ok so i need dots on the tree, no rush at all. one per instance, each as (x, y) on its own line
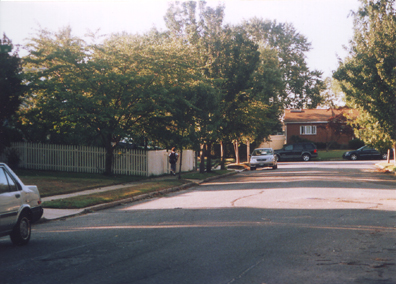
(367, 75)
(230, 59)
(302, 87)
(112, 88)
(332, 96)
(336, 127)
(11, 89)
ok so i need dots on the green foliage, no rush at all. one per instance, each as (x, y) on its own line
(11, 90)
(367, 76)
(299, 87)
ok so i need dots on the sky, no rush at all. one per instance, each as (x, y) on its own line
(325, 23)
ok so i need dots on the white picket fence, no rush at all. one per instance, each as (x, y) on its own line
(92, 159)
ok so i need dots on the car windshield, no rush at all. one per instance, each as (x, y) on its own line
(262, 152)
(365, 147)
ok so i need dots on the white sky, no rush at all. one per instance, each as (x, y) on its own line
(324, 23)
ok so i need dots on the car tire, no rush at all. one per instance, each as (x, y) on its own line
(306, 157)
(354, 157)
(275, 167)
(384, 156)
(252, 168)
(20, 235)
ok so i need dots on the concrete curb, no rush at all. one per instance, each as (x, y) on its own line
(94, 208)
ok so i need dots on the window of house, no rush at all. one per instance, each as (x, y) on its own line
(308, 130)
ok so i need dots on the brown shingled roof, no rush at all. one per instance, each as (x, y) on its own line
(314, 115)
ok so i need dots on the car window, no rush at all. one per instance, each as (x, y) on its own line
(289, 148)
(298, 147)
(308, 146)
(11, 182)
(262, 152)
(4, 187)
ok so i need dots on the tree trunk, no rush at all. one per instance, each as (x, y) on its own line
(394, 153)
(202, 164)
(248, 150)
(236, 150)
(222, 162)
(209, 158)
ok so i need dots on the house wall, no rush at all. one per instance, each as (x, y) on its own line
(322, 134)
(275, 142)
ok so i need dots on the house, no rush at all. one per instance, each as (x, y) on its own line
(312, 124)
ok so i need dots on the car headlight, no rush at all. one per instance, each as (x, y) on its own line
(253, 160)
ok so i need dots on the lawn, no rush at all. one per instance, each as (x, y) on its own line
(55, 183)
(113, 195)
(331, 155)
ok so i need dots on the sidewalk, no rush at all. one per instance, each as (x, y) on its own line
(56, 214)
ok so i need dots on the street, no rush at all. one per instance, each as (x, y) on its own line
(313, 222)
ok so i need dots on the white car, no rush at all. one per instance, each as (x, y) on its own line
(263, 157)
(20, 206)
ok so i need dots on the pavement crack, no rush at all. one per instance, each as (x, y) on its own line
(243, 197)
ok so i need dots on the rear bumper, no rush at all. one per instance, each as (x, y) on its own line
(37, 213)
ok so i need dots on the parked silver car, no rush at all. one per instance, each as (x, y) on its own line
(20, 206)
(263, 157)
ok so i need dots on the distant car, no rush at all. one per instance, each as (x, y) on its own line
(299, 151)
(20, 206)
(365, 153)
(263, 157)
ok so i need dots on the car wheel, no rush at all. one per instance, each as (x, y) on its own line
(275, 167)
(20, 235)
(306, 157)
(252, 168)
(354, 157)
(384, 156)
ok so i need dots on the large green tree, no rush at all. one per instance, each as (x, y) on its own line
(112, 87)
(368, 74)
(301, 86)
(11, 88)
(232, 61)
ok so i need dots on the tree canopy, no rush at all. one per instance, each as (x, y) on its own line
(367, 75)
(11, 88)
(199, 82)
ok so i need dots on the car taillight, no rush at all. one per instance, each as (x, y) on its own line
(315, 151)
(39, 202)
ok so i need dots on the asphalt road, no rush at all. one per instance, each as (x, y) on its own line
(315, 222)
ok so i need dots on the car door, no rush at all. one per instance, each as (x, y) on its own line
(297, 151)
(287, 152)
(368, 153)
(10, 200)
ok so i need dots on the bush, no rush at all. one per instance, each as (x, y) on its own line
(355, 143)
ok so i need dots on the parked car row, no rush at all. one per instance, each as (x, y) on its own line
(305, 151)
(20, 206)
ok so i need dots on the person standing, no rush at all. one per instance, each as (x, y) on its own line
(172, 160)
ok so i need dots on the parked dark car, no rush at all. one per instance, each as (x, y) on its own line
(299, 151)
(365, 153)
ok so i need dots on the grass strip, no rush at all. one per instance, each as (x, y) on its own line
(83, 201)
(55, 183)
